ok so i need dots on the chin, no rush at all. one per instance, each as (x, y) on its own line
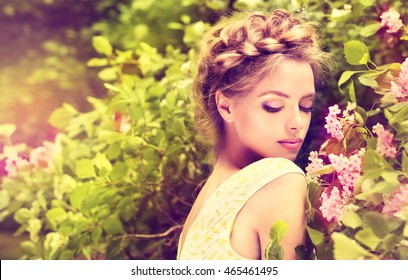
(291, 157)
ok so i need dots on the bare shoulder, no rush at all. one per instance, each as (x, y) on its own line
(282, 199)
(290, 187)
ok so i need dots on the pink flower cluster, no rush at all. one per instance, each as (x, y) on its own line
(332, 205)
(400, 88)
(14, 163)
(391, 20)
(348, 169)
(315, 163)
(333, 124)
(397, 201)
(40, 157)
(385, 145)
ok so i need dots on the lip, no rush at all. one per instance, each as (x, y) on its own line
(291, 143)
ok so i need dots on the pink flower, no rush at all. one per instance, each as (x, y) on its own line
(385, 145)
(391, 20)
(396, 201)
(347, 169)
(14, 163)
(332, 205)
(333, 124)
(42, 156)
(315, 163)
(399, 88)
(122, 123)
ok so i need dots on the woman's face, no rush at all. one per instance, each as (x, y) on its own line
(273, 118)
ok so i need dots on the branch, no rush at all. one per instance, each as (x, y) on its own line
(148, 236)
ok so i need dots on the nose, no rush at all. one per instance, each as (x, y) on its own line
(295, 121)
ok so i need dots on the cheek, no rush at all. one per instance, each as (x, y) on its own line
(306, 122)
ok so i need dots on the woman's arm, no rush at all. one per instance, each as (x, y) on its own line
(282, 199)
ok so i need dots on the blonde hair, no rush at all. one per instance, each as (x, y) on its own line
(240, 50)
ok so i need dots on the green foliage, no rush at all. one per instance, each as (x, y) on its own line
(278, 231)
(365, 226)
(118, 180)
(356, 52)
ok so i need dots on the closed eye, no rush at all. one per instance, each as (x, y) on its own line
(307, 109)
(270, 109)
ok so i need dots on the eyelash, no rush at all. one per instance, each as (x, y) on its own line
(270, 109)
(306, 109)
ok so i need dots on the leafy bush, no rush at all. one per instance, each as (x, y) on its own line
(358, 192)
(119, 179)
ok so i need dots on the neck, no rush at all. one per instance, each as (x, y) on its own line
(235, 155)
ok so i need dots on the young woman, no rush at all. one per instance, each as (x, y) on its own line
(254, 95)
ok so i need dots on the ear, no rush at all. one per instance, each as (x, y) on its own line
(224, 106)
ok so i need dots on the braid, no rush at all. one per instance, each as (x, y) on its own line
(239, 51)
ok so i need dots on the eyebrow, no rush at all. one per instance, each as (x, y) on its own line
(279, 93)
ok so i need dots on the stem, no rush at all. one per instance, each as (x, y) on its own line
(150, 236)
(373, 64)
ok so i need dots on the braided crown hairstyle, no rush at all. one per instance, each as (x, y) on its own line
(240, 50)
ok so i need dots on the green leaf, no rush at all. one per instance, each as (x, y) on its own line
(345, 76)
(97, 62)
(85, 168)
(4, 214)
(374, 164)
(87, 252)
(66, 255)
(109, 137)
(339, 13)
(112, 87)
(96, 234)
(390, 241)
(28, 248)
(245, 4)
(22, 215)
(7, 129)
(217, 5)
(376, 222)
(119, 171)
(362, 112)
(55, 217)
(175, 26)
(367, 3)
(132, 144)
(278, 230)
(62, 116)
(351, 219)
(404, 162)
(348, 249)
(273, 250)
(103, 164)
(397, 107)
(384, 187)
(391, 177)
(315, 236)
(356, 52)
(179, 127)
(4, 199)
(370, 29)
(112, 225)
(79, 195)
(351, 93)
(367, 237)
(108, 74)
(102, 45)
(368, 80)
(405, 231)
(401, 115)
